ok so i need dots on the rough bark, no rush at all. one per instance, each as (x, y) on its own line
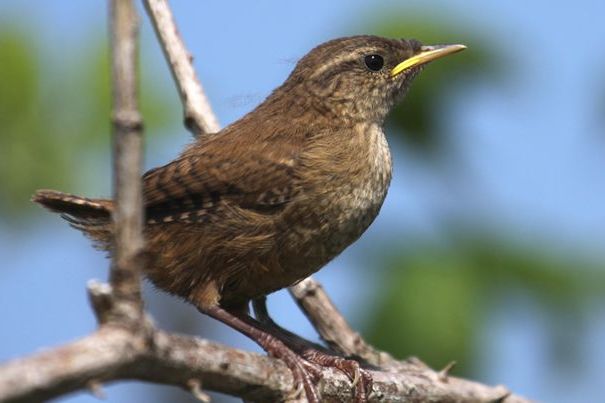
(115, 353)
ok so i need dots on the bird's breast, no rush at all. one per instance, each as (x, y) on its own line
(360, 197)
(344, 199)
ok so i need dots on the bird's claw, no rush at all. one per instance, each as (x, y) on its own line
(361, 380)
(303, 371)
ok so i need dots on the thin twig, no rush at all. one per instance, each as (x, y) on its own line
(199, 118)
(332, 326)
(127, 143)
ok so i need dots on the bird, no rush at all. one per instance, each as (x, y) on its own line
(276, 195)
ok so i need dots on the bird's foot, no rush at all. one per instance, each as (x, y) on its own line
(305, 372)
(316, 354)
(360, 378)
(307, 364)
(305, 360)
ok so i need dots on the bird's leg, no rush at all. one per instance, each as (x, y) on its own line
(259, 306)
(302, 370)
(313, 352)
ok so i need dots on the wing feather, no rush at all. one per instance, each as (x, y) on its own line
(258, 176)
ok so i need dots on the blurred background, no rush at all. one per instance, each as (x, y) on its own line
(489, 250)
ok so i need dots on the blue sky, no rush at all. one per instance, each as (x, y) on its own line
(533, 144)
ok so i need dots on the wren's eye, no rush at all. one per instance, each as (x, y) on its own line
(374, 62)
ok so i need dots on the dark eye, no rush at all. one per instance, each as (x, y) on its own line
(374, 62)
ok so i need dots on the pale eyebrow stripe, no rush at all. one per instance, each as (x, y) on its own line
(344, 57)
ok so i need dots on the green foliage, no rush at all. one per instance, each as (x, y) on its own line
(425, 310)
(435, 298)
(24, 143)
(54, 116)
(421, 119)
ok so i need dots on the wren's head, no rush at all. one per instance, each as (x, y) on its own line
(358, 78)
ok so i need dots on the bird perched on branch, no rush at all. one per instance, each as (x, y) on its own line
(276, 195)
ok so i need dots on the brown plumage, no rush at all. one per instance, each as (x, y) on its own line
(276, 195)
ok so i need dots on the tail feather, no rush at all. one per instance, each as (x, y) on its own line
(91, 216)
(75, 206)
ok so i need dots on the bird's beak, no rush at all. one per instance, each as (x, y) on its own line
(426, 54)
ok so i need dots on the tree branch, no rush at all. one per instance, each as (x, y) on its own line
(332, 326)
(115, 353)
(127, 143)
(199, 118)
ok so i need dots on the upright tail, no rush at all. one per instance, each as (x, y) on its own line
(91, 216)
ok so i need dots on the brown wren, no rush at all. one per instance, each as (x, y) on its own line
(273, 197)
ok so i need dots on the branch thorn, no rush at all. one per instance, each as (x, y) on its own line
(195, 387)
(505, 393)
(444, 374)
(96, 388)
